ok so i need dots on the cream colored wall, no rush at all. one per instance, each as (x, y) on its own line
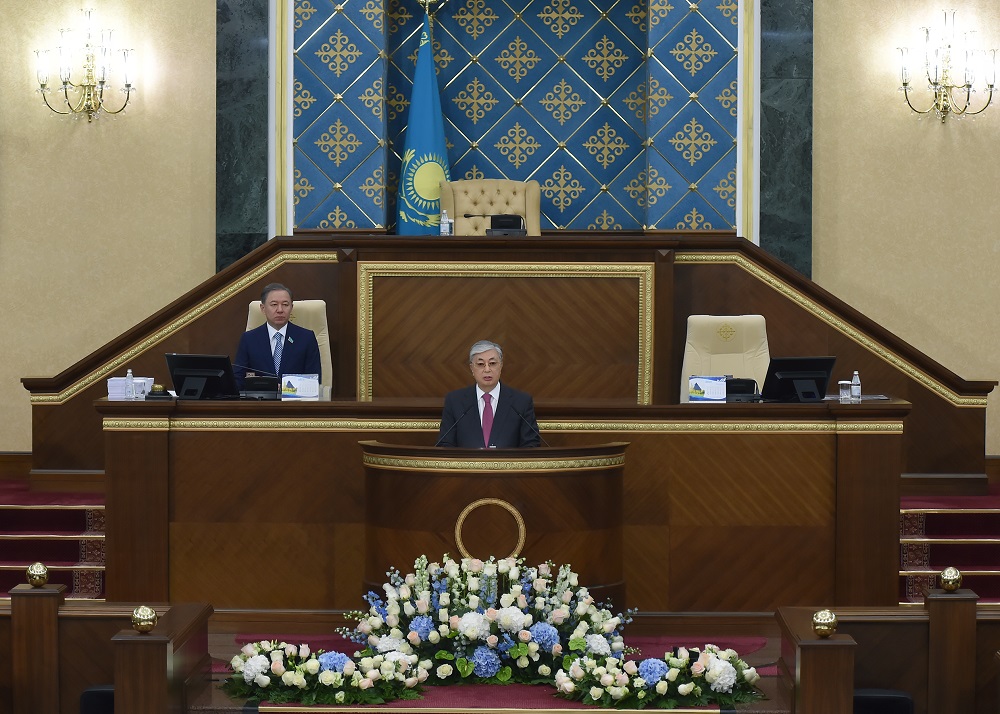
(906, 212)
(101, 224)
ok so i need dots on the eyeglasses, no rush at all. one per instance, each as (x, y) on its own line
(492, 364)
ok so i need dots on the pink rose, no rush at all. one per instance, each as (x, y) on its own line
(607, 679)
(540, 585)
(453, 622)
(621, 679)
(348, 668)
(544, 569)
(422, 606)
(410, 682)
(413, 638)
(631, 667)
(492, 641)
(567, 596)
(522, 601)
(365, 683)
(697, 669)
(475, 565)
(277, 667)
(364, 627)
(557, 649)
(249, 649)
(558, 616)
(524, 636)
(392, 620)
(491, 614)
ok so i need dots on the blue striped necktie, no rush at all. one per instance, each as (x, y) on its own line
(277, 352)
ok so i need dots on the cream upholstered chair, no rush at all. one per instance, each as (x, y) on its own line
(310, 314)
(489, 197)
(725, 344)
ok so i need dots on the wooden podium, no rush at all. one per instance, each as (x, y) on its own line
(558, 504)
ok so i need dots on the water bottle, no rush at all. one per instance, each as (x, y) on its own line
(129, 386)
(445, 223)
(856, 388)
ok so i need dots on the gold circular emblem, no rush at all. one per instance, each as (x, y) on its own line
(489, 502)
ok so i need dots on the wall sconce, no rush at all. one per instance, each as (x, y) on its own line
(955, 68)
(93, 62)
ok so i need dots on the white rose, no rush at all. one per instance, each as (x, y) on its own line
(574, 580)
(672, 674)
(444, 600)
(544, 670)
(326, 677)
(262, 680)
(489, 568)
(288, 678)
(685, 688)
(661, 687)
(506, 600)
(473, 583)
(444, 629)
(304, 651)
(375, 621)
(236, 663)
(408, 609)
(312, 666)
(340, 697)
(515, 573)
(750, 675)
(443, 614)
(618, 692)
(392, 608)
(404, 592)
(503, 566)
(299, 680)
(444, 671)
(433, 637)
(596, 693)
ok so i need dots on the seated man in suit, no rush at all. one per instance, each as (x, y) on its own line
(277, 347)
(506, 417)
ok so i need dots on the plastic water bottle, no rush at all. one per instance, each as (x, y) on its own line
(856, 388)
(129, 386)
(445, 223)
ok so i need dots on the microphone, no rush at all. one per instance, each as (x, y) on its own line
(531, 426)
(502, 221)
(452, 427)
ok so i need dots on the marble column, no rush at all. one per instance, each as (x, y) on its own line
(786, 99)
(241, 128)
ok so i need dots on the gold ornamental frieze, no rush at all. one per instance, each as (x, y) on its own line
(525, 465)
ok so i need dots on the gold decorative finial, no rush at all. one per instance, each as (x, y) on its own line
(37, 575)
(143, 619)
(824, 623)
(951, 579)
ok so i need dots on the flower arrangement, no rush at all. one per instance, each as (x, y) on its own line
(493, 621)
(488, 621)
(684, 677)
(280, 672)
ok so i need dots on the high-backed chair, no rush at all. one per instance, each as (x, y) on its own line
(310, 314)
(725, 344)
(490, 197)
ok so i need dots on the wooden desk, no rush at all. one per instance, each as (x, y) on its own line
(738, 507)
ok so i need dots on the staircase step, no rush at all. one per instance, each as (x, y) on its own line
(74, 518)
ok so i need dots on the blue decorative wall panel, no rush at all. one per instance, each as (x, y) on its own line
(624, 112)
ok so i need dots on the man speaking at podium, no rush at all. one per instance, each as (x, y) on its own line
(506, 417)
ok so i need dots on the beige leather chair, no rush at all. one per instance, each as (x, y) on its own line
(488, 197)
(310, 314)
(725, 344)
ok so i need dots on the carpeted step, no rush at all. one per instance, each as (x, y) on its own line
(82, 580)
(951, 524)
(962, 553)
(52, 547)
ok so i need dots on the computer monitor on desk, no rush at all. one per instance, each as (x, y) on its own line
(202, 376)
(797, 379)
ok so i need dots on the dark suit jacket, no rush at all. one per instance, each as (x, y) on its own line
(299, 353)
(509, 429)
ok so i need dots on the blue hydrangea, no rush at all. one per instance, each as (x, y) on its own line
(333, 660)
(486, 662)
(652, 671)
(545, 635)
(506, 643)
(375, 601)
(422, 625)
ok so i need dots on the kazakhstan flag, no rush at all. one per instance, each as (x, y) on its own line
(425, 156)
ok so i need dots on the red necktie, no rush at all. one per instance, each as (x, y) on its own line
(487, 420)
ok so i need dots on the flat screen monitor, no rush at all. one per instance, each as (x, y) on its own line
(202, 376)
(797, 379)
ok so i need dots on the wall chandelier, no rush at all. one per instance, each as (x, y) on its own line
(86, 66)
(956, 70)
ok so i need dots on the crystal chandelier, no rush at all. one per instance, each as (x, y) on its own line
(92, 62)
(955, 68)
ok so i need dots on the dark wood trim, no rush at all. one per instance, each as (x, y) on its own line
(943, 484)
(78, 481)
(15, 465)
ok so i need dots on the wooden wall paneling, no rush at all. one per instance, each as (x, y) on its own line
(988, 660)
(951, 681)
(882, 638)
(6, 682)
(86, 628)
(666, 360)
(868, 468)
(34, 663)
(137, 505)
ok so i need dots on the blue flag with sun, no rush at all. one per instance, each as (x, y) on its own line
(425, 155)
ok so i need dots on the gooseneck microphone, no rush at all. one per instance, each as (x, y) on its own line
(452, 427)
(532, 427)
(256, 371)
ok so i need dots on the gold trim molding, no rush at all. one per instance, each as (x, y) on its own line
(534, 465)
(638, 427)
(119, 361)
(643, 272)
(460, 521)
(835, 322)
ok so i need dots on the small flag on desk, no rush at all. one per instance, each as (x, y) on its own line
(425, 155)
